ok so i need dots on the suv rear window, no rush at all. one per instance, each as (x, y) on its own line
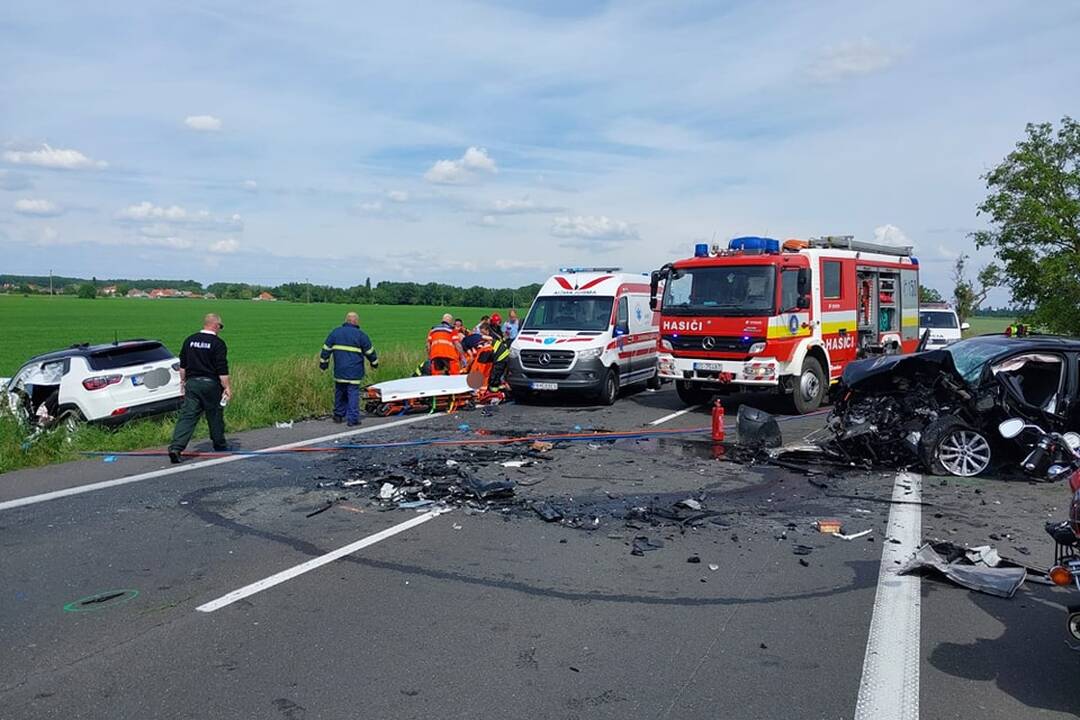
(126, 355)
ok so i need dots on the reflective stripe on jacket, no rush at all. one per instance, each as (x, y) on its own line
(349, 345)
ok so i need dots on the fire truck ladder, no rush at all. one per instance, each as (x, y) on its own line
(848, 242)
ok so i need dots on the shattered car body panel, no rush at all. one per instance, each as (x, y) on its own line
(939, 408)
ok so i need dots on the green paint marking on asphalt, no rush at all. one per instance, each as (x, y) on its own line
(101, 600)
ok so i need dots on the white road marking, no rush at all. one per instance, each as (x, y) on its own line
(673, 415)
(285, 575)
(188, 466)
(889, 689)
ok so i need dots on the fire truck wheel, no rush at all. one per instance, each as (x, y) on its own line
(809, 388)
(692, 394)
(609, 387)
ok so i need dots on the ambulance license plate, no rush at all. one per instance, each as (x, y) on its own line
(543, 386)
(709, 366)
(136, 380)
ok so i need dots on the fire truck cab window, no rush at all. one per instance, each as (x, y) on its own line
(730, 290)
(789, 290)
(830, 278)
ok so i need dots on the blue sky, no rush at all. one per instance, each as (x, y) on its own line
(490, 142)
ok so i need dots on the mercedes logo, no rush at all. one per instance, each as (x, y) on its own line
(545, 359)
(708, 343)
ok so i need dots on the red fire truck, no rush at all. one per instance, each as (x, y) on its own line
(785, 317)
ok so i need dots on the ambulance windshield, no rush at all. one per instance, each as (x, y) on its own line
(728, 290)
(569, 313)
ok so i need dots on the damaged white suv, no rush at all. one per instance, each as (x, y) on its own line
(109, 384)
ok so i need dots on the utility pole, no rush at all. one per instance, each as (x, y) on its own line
(50, 282)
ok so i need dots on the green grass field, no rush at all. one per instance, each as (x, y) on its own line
(254, 331)
(272, 353)
(984, 325)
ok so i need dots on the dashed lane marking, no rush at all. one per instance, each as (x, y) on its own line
(285, 575)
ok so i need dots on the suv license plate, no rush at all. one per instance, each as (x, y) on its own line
(544, 386)
(709, 366)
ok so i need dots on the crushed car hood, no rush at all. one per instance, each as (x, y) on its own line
(865, 374)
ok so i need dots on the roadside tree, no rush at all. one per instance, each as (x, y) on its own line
(1034, 211)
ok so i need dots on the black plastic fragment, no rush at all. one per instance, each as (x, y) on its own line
(546, 511)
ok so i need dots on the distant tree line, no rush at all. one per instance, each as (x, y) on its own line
(384, 293)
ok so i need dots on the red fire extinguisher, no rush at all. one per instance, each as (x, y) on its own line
(718, 421)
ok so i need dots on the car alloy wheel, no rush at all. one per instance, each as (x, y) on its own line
(964, 452)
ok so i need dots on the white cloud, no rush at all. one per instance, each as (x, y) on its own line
(859, 57)
(169, 243)
(524, 206)
(49, 236)
(250, 185)
(37, 207)
(486, 221)
(507, 264)
(226, 246)
(591, 230)
(372, 206)
(398, 196)
(203, 123)
(465, 169)
(157, 230)
(50, 157)
(891, 235)
(13, 181)
(176, 215)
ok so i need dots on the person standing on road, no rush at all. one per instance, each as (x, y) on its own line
(511, 326)
(204, 383)
(348, 345)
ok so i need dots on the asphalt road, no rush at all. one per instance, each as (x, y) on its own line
(498, 614)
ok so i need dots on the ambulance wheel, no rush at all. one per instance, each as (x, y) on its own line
(609, 387)
(809, 388)
(692, 394)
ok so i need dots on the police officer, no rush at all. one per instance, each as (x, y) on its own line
(348, 345)
(204, 383)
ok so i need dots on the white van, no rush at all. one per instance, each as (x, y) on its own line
(944, 326)
(589, 329)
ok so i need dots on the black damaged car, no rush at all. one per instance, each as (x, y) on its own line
(940, 409)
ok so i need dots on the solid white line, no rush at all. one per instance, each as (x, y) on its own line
(186, 467)
(889, 689)
(310, 565)
(674, 415)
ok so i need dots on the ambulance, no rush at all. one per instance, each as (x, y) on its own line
(786, 317)
(589, 330)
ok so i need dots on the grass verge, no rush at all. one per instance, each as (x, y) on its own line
(265, 393)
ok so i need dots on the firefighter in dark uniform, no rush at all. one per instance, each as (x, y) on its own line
(204, 382)
(349, 346)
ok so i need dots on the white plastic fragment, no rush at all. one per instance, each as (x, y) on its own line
(386, 491)
(853, 536)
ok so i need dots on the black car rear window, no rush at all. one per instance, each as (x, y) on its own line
(127, 355)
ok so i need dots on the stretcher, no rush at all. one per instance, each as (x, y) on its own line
(431, 393)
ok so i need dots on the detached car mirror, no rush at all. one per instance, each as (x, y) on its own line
(1012, 427)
